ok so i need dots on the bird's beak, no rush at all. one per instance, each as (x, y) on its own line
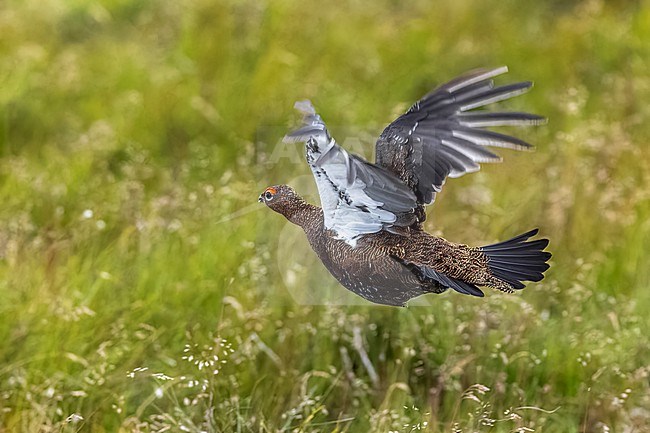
(261, 199)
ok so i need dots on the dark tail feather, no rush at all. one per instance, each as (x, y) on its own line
(517, 260)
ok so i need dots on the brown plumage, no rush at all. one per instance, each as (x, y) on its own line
(368, 233)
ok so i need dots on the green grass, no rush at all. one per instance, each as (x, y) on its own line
(131, 300)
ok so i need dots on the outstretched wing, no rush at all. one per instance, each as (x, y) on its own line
(441, 136)
(357, 197)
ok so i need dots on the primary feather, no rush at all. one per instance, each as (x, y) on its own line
(439, 137)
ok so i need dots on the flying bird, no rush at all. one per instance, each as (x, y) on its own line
(368, 231)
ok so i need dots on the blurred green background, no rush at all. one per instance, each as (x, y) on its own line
(143, 289)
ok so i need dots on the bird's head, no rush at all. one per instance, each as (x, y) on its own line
(281, 198)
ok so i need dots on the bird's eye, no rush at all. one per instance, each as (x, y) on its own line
(268, 195)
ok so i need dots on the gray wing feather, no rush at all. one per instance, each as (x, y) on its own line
(357, 197)
(439, 137)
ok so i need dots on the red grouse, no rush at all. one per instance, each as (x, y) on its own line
(368, 230)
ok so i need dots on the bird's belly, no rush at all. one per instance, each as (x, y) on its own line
(375, 277)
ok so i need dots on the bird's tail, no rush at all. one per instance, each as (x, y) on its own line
(517, 259)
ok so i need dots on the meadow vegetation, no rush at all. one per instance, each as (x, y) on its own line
(144, 289)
